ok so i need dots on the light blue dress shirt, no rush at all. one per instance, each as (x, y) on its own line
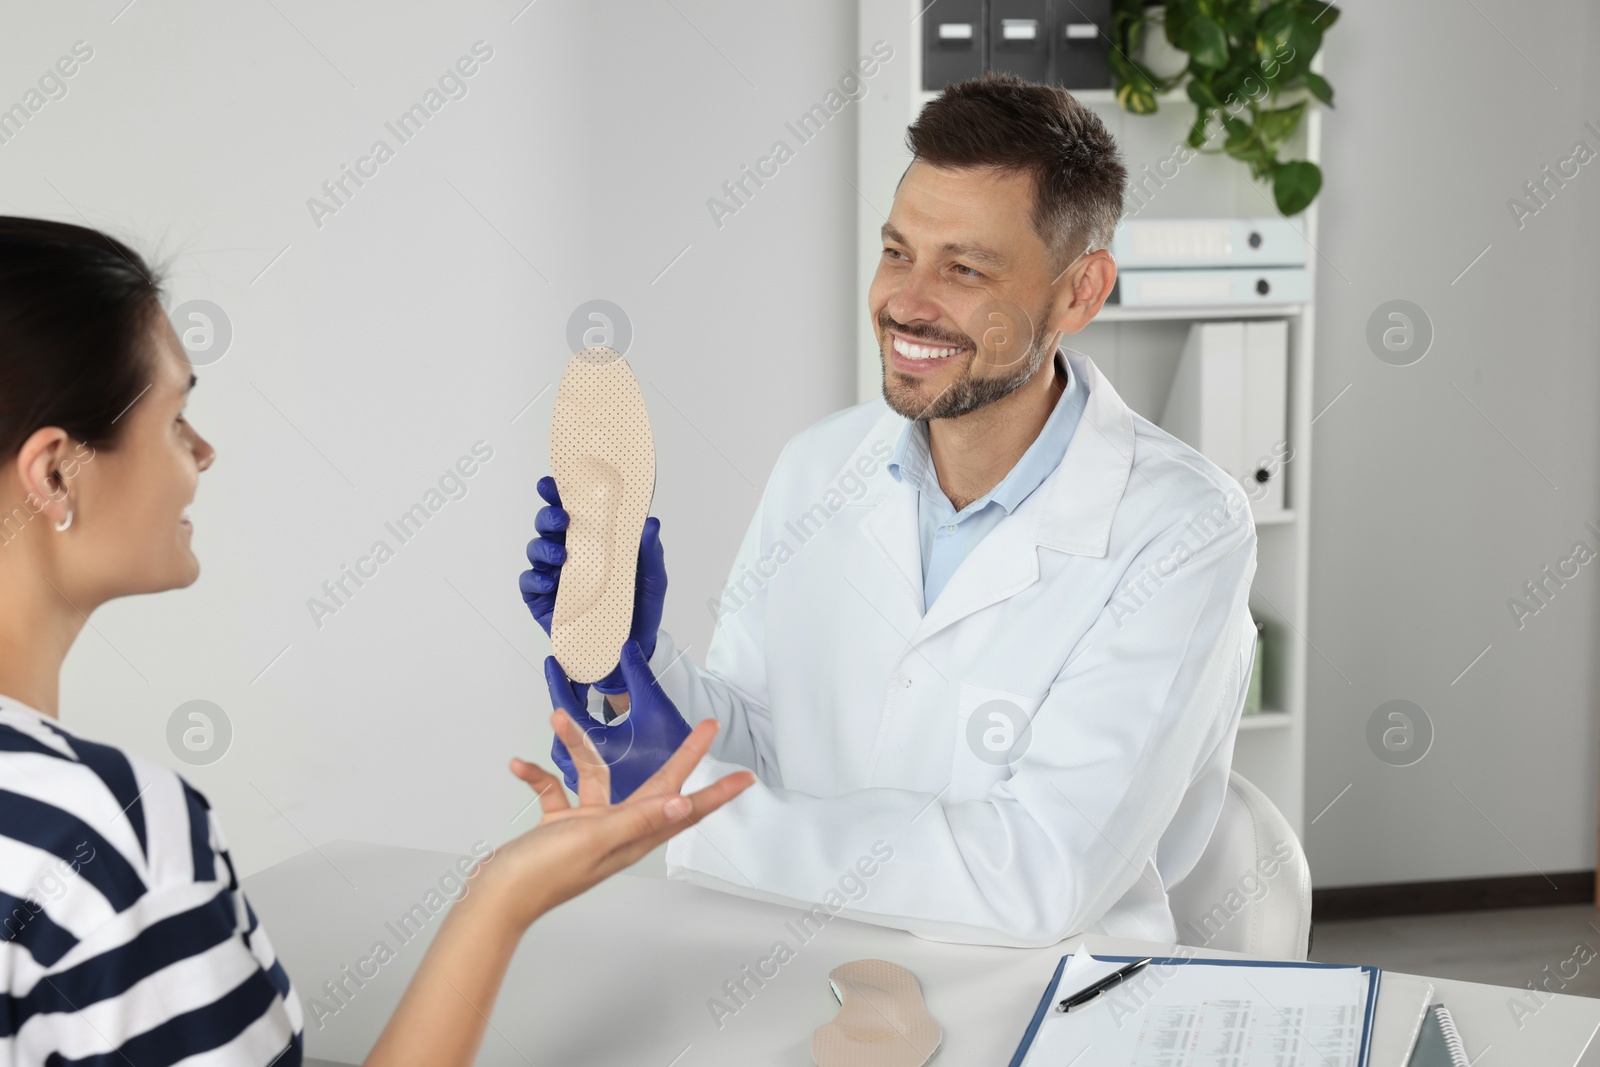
(947, 535)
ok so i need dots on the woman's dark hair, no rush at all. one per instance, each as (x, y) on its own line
(75, 305)
(999, 120)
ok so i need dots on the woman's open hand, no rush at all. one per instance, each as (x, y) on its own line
(441, 1018)
(574, 848)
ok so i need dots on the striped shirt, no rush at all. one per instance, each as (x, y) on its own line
(124, 936)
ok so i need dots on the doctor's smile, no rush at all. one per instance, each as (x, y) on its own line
(1006, 716)
(924, 352)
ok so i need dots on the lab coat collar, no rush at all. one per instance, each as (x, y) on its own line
(1071, 512)
(1084, 492)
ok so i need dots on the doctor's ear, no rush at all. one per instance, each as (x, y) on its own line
(1083, 289)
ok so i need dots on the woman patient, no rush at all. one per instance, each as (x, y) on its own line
(151, 955)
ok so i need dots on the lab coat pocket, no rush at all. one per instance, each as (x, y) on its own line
(993, 730)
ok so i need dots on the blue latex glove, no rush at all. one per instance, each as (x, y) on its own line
(635, 748)
(548, 552)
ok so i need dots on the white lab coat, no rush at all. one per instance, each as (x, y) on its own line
(1110, 607)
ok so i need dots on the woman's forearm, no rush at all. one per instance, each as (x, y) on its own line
(441, 1018)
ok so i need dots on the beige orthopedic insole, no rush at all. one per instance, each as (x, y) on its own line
(882, 1021)
(603, 457)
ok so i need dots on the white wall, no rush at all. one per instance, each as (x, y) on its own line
(1441, 487)
(419, 319)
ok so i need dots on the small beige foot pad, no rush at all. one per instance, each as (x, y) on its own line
(882, 1021)
(603, 457)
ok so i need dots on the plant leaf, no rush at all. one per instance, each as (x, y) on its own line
(1137, 99)
(1240, 22)
(1177, 17)
(1319, 87)
(1242, 143)
(1319, 14)
(1279, 124)
(1252, 152)
(1286, 40)
(1275, 29)
(1295, 185)
(1205, 42)
(1202, 94)
(1305, 38)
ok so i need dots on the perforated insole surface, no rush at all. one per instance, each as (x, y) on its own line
(603, 457)
(882, 1021)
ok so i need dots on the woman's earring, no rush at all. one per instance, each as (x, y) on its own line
(63, 524)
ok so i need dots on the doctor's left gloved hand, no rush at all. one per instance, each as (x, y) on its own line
(548, 552)
(634, 748)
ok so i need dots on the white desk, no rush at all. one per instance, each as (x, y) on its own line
(623, 974)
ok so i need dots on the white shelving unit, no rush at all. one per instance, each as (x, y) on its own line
(1138, 348)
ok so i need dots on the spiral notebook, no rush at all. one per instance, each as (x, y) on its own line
(1205, 1013)
(1438, 1044)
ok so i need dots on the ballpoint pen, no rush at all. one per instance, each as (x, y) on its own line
(1083, 996)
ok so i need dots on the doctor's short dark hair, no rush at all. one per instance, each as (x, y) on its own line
(1000, 120)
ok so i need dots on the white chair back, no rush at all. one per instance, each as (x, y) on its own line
(1250, 891)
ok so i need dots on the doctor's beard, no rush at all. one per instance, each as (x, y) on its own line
(967, 392)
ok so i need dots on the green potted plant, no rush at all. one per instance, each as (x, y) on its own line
(1249, 67)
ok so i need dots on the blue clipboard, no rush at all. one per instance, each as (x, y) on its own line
(1373, 975)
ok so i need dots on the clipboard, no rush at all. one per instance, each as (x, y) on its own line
(1351, 1018)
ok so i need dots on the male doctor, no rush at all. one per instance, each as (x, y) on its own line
(986, 637)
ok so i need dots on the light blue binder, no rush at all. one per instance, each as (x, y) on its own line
(1209, 242)
(1373, 975)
